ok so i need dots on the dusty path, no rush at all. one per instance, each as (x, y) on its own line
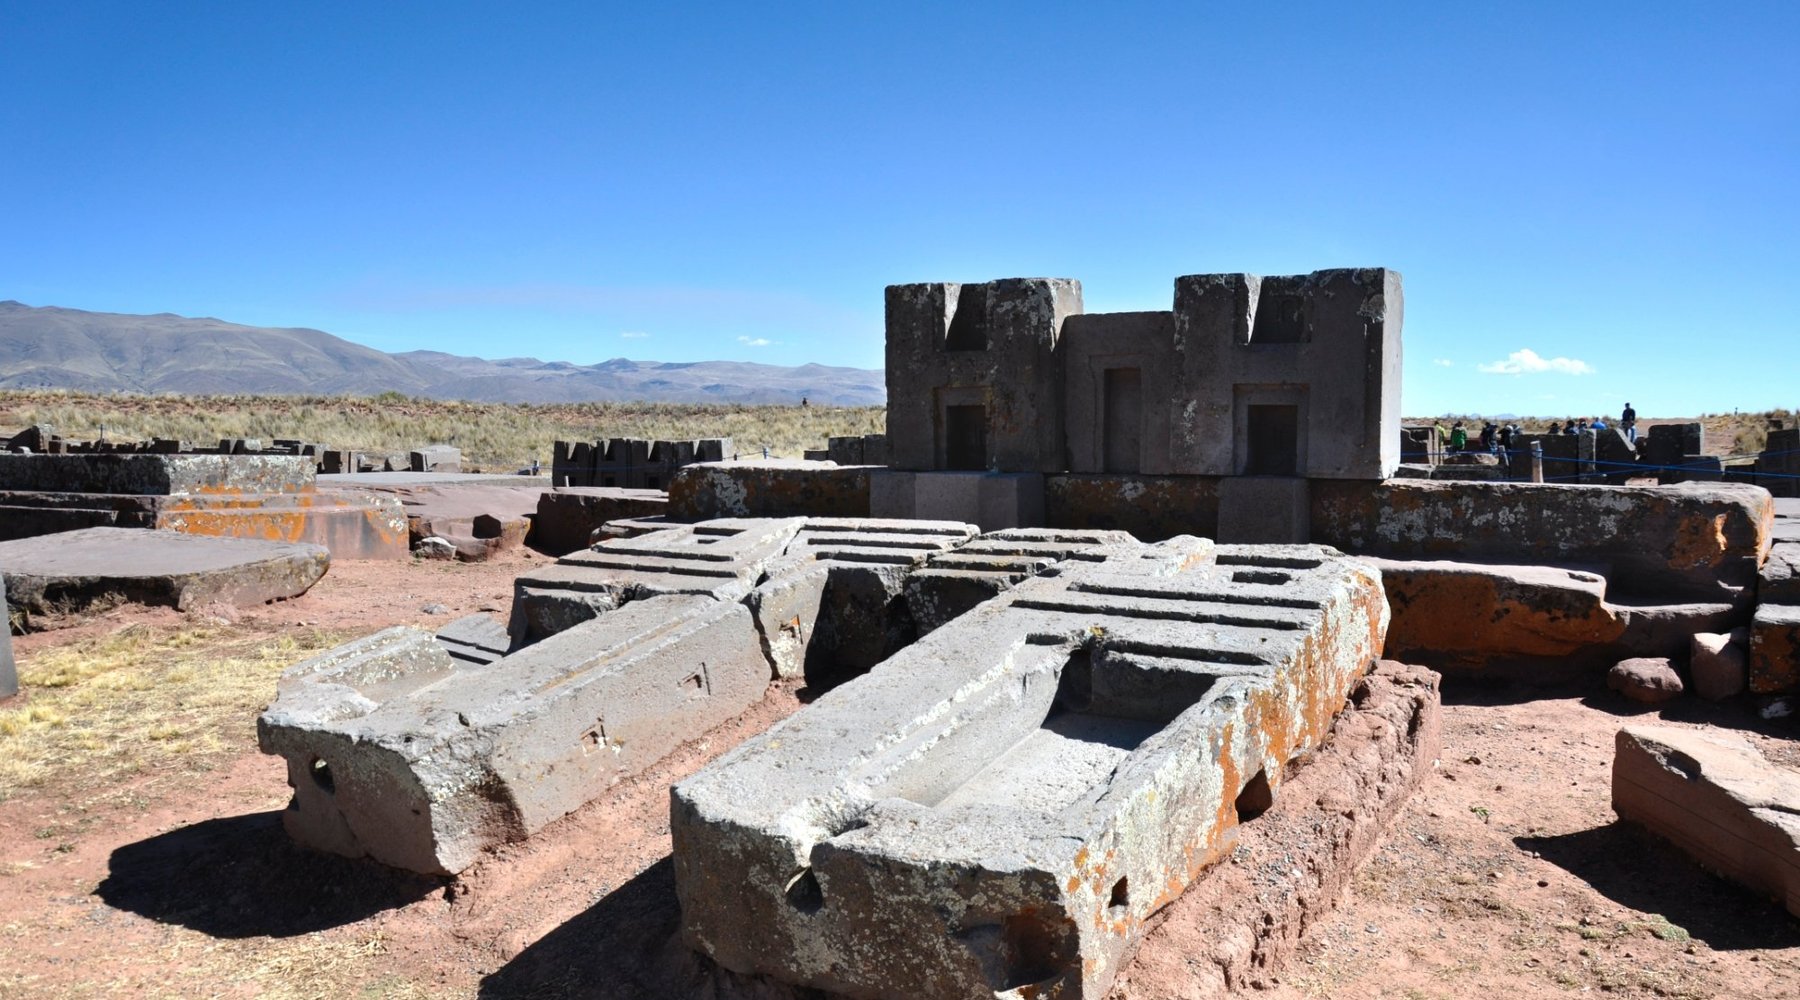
(1507, 873)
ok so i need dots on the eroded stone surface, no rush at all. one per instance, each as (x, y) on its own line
(954, 582)
(421, 751)
(1235, 929)
(769, 488)
(1002, 804)
(1718, 800)
(1531, 622)
(73, 569)
(399, 751)
(1774, 649)
(1699, 542)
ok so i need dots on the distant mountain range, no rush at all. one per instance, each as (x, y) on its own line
(49, 347)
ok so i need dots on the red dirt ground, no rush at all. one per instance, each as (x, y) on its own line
(1507, 873)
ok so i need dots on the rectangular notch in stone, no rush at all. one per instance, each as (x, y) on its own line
(969, 322)
(1280, 318)
(1123, 420)
(1273, 440)
(965, 437)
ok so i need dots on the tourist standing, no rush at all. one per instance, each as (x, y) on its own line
(1628, 423)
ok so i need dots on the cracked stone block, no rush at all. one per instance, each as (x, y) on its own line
(723, 559)
(1715, 797)
(399, 751)
(1004, 804)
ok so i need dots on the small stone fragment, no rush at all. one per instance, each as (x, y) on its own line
(1649, 680)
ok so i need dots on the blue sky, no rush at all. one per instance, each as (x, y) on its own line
(1596, 202)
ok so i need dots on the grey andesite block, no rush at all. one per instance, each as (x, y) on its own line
(999, 808)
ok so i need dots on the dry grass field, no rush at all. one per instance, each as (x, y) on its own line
(497, 437)
(494, 437)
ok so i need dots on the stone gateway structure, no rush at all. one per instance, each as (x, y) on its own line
(1285, 378)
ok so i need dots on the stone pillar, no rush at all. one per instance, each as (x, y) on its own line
(1584, 445)
(1537, 461)
(9, 675)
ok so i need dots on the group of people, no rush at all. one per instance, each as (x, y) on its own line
(1497, 438)
(1494, 438)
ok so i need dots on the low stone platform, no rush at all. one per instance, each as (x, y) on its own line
(999, 808)
(769, 488)
(1717, 799)
(69, 571)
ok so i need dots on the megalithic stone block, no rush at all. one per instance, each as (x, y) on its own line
(722, 558)
(999, 808)
(9, 673)
(1717, 799)
(398, 751)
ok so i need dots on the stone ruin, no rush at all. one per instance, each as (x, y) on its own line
(41, 439)
(1044, 702)
(631, 463)
(1243, 380)
(1001, 806)
(268, 497)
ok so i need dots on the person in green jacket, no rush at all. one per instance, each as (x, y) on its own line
(1459, 438)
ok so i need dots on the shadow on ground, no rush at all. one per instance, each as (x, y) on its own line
(624, 947)
(1627, 865)
(241, 876)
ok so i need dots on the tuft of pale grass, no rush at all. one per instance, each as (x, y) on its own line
(141, 699)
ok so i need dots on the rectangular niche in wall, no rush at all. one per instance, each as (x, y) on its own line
(1272, 439)
(1122, 420)
(1280, 318)
(965, 437)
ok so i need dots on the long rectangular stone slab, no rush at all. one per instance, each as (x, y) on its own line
(1001, 806)
(161, 475)
(1718, 800)
(73, 569)
(398, 751)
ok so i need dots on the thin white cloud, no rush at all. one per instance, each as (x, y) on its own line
(1526, 361)
(1443, 362)
(754, 341)
(634, 335)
